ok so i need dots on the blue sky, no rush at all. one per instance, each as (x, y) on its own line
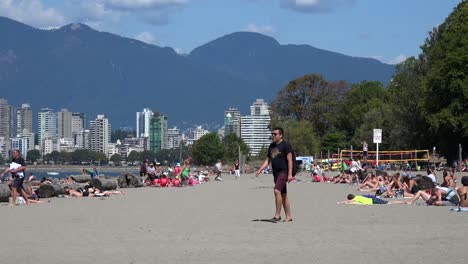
(389, 30)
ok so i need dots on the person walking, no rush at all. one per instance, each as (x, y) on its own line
(280, 157)
(237, 169)
(16, 169)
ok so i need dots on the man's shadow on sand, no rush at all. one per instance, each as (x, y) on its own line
(265, 220)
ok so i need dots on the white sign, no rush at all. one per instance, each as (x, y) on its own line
(377, 135)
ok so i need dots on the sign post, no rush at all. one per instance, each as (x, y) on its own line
(377, 140)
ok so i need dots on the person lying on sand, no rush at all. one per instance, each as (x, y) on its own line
(89, 191)
(439, 196)
(367, 199)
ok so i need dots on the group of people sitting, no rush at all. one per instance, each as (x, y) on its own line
(405, 185)
(153, 174)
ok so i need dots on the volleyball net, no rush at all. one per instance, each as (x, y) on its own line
(391, 156)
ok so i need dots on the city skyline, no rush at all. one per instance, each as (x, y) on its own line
(65, 130)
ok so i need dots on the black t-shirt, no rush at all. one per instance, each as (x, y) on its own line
(15, 164)
(277, 153)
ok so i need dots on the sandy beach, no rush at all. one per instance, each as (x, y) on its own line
(212, 223)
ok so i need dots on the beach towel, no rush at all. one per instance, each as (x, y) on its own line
(461, 209)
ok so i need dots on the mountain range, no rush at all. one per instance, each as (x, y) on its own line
(85, 70)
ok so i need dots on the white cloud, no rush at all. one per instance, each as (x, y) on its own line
(266, 30)
(179, 51)
(31, 12)
(377, 57)
(146, 37)
(143, 4)
(398, 59)
(315, 6)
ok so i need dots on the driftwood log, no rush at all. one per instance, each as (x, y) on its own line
(103, 184)
(129, 181)
(81, 178)
(4, 192)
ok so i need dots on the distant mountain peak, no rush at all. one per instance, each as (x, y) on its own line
(76, 27)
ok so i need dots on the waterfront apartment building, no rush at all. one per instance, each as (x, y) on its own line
(255, 128)
(64, 124)
(24, 119)
(173, 138)
(158, 132)
(195, 135)
(5, 119)
(99, 134)
(232, 122)
(24, 142)
(81, 139)
(78, 122)
(143, 120)
(47, 124)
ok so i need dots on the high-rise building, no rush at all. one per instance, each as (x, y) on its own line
(195, 135)
(78, 122)
(173, 138)
(232, 122)
(259, 107)
(143, 120)
(99, 134)
(5, 119)
(24, 142)
(81, 139)
(47, 124)
(255, 128)
(64, 124)
(4, 147)
(158, 132)
(24, 119)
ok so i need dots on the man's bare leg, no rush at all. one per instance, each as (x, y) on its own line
(423, 195)
(286, 206)
(278, 203)
(13, 196)
(25, 196)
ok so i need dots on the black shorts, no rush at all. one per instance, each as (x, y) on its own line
(281, 181)
(18, 183)
(364, 153)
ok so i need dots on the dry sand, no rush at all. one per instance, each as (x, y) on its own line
(212, 223)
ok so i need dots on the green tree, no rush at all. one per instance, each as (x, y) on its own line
(33, 155)
(231, 144)
(134, 156)
(445, 82)
(311, 98)
(115, 159)
(334, 140)
(301, 135)
(65, 157)
(147, 154)
(360, 100)
(409, 127)
(208, 149)
(81, 155)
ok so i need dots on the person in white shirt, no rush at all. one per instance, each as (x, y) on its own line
(431, 175)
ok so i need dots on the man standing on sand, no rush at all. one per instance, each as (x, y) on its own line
(237, 169)
(280, 156)
(16, 168)
(364, 150)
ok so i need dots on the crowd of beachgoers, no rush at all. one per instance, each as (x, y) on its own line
(405, 187)
(25, 190)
